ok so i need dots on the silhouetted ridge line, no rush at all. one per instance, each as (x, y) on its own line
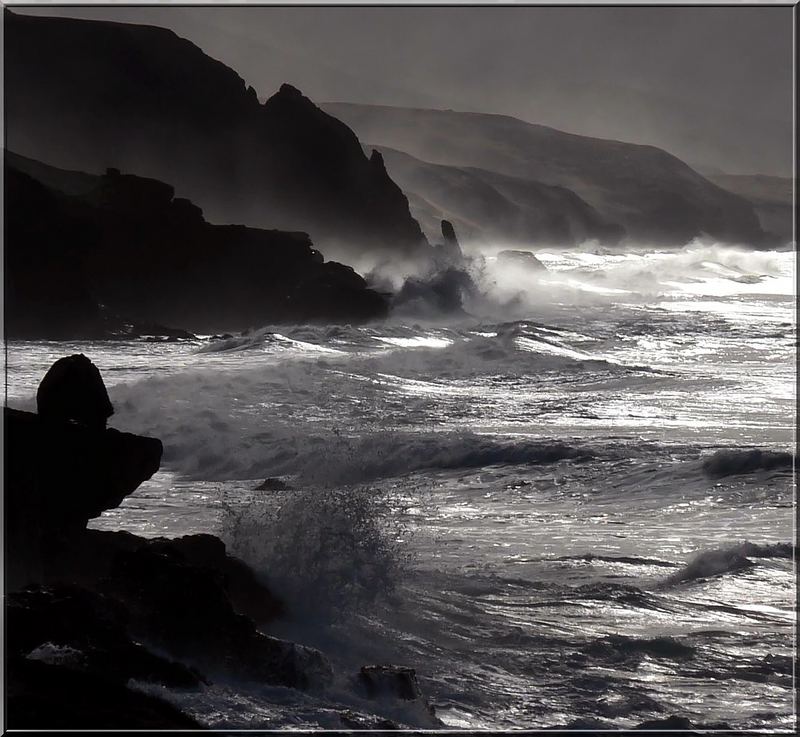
(123, 256)
(89, 95)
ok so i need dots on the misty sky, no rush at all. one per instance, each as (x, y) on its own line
(711, 84)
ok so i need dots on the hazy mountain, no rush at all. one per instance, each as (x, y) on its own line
(487, 206)
(92, 94)
(771, 197)
(655, 196)
(712, 85)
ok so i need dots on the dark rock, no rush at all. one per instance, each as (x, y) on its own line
(272, 484)
(390, 680)
(354, 720)
(185, 610)
(76, 88)
(59, 475)
(247, 595)
(73, 389)
(92, 628)
(442, 294)
(129, 246)
(449, 252)
(448, 232)
(524, 259)
(43, 696)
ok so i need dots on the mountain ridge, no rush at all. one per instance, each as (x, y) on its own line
(89, 95)
(654, 195)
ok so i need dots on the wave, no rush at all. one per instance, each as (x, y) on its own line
(734, 462)
(328, 552)
(614, 648)
(731, 559)
(624, 559)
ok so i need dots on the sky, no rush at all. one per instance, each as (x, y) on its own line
(712, 85)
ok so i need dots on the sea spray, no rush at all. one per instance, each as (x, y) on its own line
(327, 551)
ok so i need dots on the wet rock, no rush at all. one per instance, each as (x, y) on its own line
(390, 680)
(248, 596)
(185, 610)
(354, 720)
(73, 389)
(273, 484)
(85, 631)
(523, 259)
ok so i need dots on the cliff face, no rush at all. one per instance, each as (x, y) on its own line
(89, 95)
(654, 196)
(122, 245)
(494, 208)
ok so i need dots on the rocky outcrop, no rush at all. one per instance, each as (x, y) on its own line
(58, 475)
(87, 95)
(89, 611)
(127, 246)
(449, 252)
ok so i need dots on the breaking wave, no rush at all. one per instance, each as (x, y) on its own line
(730, 559)
(730, 462)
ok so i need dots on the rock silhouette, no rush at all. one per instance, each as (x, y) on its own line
(86, 95)
(89, 610)
(125, 245)
(73, 389)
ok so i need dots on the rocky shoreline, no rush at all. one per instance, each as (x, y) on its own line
(90, 613)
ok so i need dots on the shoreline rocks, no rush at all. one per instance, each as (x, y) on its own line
(91, 613)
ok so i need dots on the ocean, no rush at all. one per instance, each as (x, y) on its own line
(572, 504)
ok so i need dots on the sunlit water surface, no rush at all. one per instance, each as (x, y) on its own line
(509, 504)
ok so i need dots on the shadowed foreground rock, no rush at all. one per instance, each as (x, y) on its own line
(89, 611)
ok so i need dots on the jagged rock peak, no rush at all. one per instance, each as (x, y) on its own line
(449, 232)
(288, 92)
(376, 159)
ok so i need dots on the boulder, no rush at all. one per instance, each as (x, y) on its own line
(394, 681)
(523, 259)
(73, 389)
(273, 484)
